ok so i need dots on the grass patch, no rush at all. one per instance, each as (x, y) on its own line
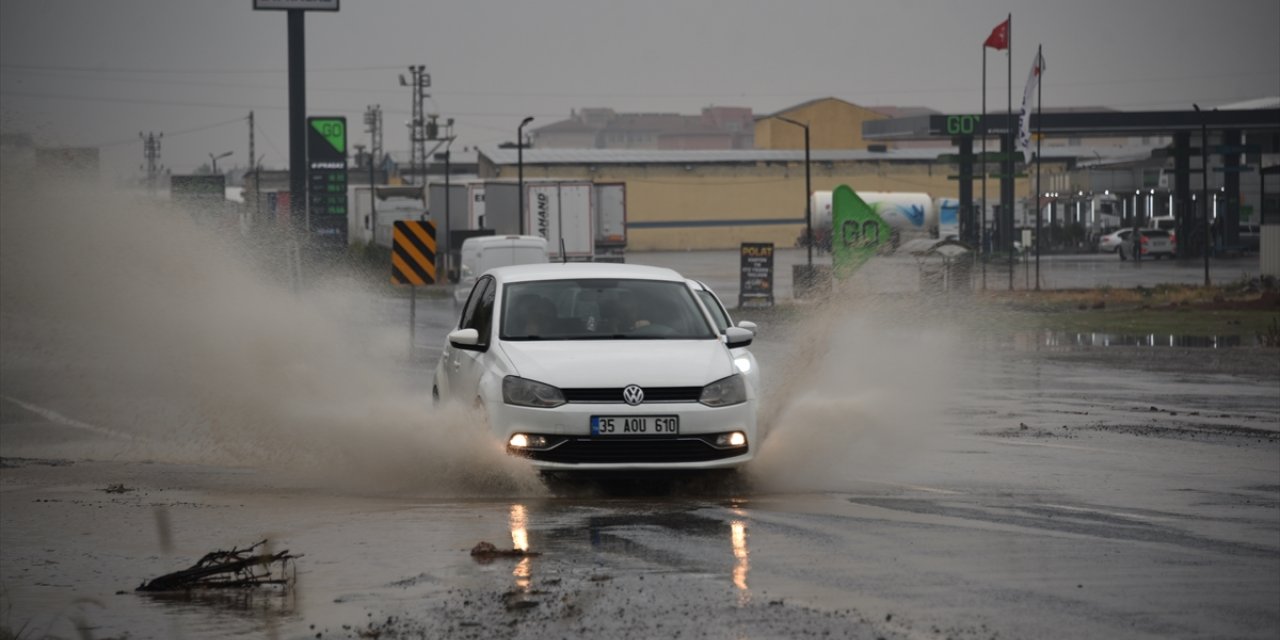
(1236, 309)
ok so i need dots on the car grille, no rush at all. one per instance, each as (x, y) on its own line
(623, 450)
(651, 394)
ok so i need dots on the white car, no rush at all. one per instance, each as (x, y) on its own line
(1111, 242)
(594, 367)
(743, 359)
(1155, 243)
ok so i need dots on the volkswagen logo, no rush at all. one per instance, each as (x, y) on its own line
(633, 395)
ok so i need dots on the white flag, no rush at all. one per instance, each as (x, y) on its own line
(1024, 120)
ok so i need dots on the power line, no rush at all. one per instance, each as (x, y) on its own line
(171, 134)
(188, 70)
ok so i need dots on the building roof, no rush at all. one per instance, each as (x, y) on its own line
(903, 112)
(1271, 102)
(805, 104)
(728, 156)
(1103, 122)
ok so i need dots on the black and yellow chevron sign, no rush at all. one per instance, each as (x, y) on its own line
(413, 252)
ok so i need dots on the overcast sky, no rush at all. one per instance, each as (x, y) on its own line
(90, 72)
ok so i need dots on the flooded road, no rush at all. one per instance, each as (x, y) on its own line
(1054, 498)
(915, 479)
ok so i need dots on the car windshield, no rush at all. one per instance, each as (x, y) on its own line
(601, 309)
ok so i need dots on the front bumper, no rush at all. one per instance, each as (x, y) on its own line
(571, 446)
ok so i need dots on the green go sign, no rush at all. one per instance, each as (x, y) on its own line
(332, 131)
(962, 125)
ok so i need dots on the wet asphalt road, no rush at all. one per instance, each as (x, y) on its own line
(1046, 496)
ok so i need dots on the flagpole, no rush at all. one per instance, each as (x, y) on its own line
(1039, 137)
(982, 212)
(1009, 147)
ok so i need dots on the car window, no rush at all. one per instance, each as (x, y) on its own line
(482, 320)
(473, 300)
(717, 312)
(601, 309)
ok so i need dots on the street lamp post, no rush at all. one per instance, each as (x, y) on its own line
(808, 192)
(520, 166)
(1204, 187)
(214, 160)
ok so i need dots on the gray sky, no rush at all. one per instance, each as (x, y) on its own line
(82, 72)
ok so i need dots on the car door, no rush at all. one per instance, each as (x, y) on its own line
(469, 362)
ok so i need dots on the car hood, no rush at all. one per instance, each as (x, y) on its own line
(616, 363)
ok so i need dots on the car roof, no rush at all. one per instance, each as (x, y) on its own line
(567, 270)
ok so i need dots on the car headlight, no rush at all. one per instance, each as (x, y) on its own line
(725, 392)
(529, 393)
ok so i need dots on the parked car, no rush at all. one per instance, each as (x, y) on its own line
(1111, 242)
(591, 366)
(1155, 243)
(483, 253)
(743, 359)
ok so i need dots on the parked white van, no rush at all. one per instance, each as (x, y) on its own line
(483, 253)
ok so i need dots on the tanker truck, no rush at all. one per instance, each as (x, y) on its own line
(910, 215)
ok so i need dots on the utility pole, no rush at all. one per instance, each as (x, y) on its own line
(251, 156)
(373, 126)
(373, 122)
(151, 154)
(417, 126)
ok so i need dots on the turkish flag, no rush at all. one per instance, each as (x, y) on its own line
(999, 38)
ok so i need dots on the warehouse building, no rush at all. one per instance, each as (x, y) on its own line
(718, 198)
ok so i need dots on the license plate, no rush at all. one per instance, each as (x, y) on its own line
(635, 425)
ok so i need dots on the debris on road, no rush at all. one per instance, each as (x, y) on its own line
(238, 568)
(486, 551)
(117, 488)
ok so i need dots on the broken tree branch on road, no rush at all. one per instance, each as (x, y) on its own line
(238, 568)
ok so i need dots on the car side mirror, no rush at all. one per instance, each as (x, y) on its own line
(464, 338)
(748, 325)
(738, 337)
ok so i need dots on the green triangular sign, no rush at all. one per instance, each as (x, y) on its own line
(334, 131)
(857, 232)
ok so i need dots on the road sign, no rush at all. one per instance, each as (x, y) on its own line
(295, 5)
(413, 252)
